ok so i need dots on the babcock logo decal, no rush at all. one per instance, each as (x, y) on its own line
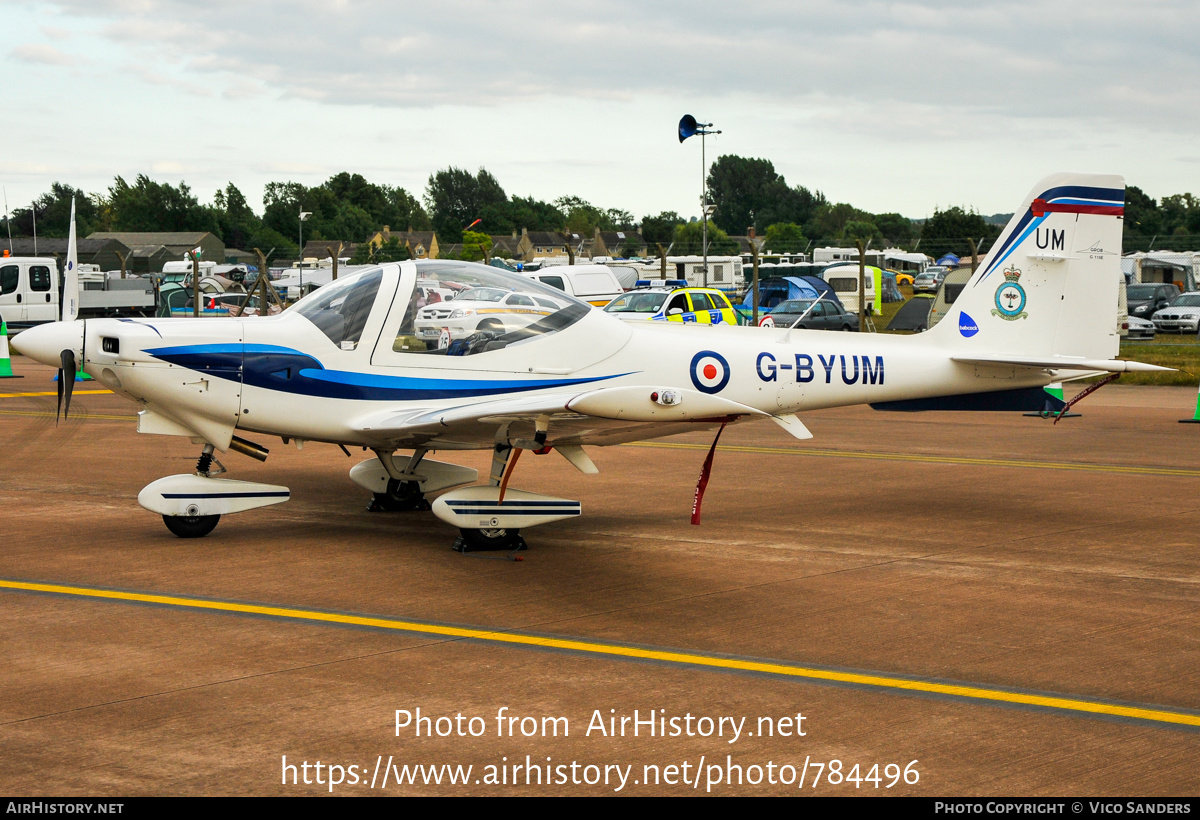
(710, 371)
(967, 326)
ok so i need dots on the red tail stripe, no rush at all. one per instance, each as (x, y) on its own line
(1041, 207)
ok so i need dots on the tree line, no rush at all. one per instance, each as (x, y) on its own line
(747, 194)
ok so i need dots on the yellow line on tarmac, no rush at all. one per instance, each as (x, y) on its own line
(78, 415)
(51, 393)
(595, 648)
(983, 462)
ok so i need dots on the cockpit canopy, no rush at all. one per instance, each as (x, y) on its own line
(452, 308)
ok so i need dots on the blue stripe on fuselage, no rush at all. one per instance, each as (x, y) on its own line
(289, 371)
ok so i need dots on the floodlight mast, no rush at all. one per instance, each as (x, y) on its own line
(303, 216)
(689, 127)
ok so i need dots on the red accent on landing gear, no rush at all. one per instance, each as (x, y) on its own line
(512, 462)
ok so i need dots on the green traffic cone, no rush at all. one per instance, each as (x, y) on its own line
(1195, 419)
(5, 361)
(1050, 410)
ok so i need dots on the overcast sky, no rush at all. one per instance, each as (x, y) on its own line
(889, 106)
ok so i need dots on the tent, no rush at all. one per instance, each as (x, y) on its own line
(949, 260)
(888, 290)
(913, 314)
(779, 289)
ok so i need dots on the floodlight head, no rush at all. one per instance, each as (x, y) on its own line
(305, 215)
(688, 127)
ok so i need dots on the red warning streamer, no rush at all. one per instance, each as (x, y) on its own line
(704, 473)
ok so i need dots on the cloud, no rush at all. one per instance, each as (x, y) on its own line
(152, 77)
(55, 33)
(43, 54)
(1010, 57)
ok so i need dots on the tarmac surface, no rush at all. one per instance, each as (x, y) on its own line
(1013, 605)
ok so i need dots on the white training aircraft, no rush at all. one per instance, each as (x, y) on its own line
(350, 366)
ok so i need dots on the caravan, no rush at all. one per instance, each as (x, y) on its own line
(844, 281)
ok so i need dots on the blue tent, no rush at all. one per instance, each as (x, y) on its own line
(949, 260)
(779, 289)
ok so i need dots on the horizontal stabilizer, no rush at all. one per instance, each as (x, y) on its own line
(1065, 363)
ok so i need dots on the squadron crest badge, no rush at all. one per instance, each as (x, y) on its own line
(1010, 297)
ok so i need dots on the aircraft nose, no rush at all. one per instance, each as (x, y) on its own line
(45, 343)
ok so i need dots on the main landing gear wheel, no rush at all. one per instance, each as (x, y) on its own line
(401, 496)
(489, 540)
(191, 526)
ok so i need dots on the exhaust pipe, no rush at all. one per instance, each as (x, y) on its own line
(249, 448)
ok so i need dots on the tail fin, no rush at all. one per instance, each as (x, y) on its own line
(1049, 285)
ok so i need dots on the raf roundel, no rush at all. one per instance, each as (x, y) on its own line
(709, 371)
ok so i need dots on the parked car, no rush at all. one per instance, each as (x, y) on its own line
(706, 306)
(810, 314)
(1136, 328)
(485, 308)
(1182, 315)
(1144, 298)
(928, 281)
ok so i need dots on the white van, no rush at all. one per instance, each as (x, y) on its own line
(594, 284)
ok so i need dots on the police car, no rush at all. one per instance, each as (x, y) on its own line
(673, 301)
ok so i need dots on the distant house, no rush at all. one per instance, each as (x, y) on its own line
(151, 258)
(534, 244)
(105, 253)
(149, 247)
(506, 247)
(421, 244)
(611, 243)
(326, 248)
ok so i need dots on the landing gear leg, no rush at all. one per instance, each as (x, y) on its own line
(504, 459)
(402, 494)
(194, 525)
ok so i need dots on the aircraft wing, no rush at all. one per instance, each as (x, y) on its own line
(1063, 363)
(610, 415)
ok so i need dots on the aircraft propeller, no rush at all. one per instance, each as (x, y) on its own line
(66, 383)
